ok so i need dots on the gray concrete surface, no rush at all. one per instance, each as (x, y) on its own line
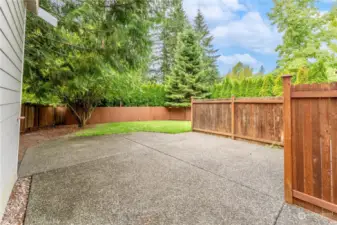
(151, 178)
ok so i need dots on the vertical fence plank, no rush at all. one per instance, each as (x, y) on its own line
(307, 144)
(294, 143)
(333, 141)
(192, 111)
(300, 151)
(333, 138)
(22, 122)
(325, 148)
(288, 195)
(304, 151)
(233, 117)
(316, 154)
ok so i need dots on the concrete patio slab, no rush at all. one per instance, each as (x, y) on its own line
(257, 166)
(293, 215)
(71, 150)
(150, 178)
(143, 188)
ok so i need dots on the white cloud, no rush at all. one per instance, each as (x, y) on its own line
(216, 10)
(250, 32)
(244, 58)
(233, 5)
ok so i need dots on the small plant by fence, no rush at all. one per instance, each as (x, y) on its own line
(256, 119)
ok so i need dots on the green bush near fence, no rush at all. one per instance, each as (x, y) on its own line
(146, 94)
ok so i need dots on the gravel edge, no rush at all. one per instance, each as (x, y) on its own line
(17, 204)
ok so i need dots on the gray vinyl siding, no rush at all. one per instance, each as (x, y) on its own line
(12, 35)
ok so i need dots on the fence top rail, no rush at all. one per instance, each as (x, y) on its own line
(314, 94)
(314, 86)
(324, 90)
(211, 101)
(270, 100)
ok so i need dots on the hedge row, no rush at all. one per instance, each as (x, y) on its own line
(267, 86)
(148, 94)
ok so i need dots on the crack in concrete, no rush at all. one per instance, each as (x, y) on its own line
(279, 213)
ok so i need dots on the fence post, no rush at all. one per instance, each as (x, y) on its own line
(233, 117)
(288, 170)
(192, 112)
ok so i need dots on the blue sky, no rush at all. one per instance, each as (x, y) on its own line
(242, 30)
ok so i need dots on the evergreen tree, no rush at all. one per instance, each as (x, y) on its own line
(228, 90)
(261, 70)
(187, 78)
(257, 84)
(174, 22)
(78, 60)
(243, 88)
(278, 86)
(267, 86)
(237, 68)
(209, 53)
(250, 88)
(216, 91)
(235, 88)
(240, 71)
(224, 87)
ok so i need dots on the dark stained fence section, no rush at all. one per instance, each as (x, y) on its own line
(256, 119)
(37, 116)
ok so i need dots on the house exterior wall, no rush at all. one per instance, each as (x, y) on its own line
(12, 35)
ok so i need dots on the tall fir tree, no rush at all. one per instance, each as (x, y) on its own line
(262, 70)
(174, 22)
(210, 55)
(188, 77)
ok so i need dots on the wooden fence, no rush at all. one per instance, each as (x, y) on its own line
(37, 116)
(310, 146)
(123, 114)
(255, 119)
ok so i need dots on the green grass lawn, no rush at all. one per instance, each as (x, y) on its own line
(171, 127)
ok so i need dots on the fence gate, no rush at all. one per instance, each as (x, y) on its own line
(310, 146)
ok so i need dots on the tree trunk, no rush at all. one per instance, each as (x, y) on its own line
(82, 114)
